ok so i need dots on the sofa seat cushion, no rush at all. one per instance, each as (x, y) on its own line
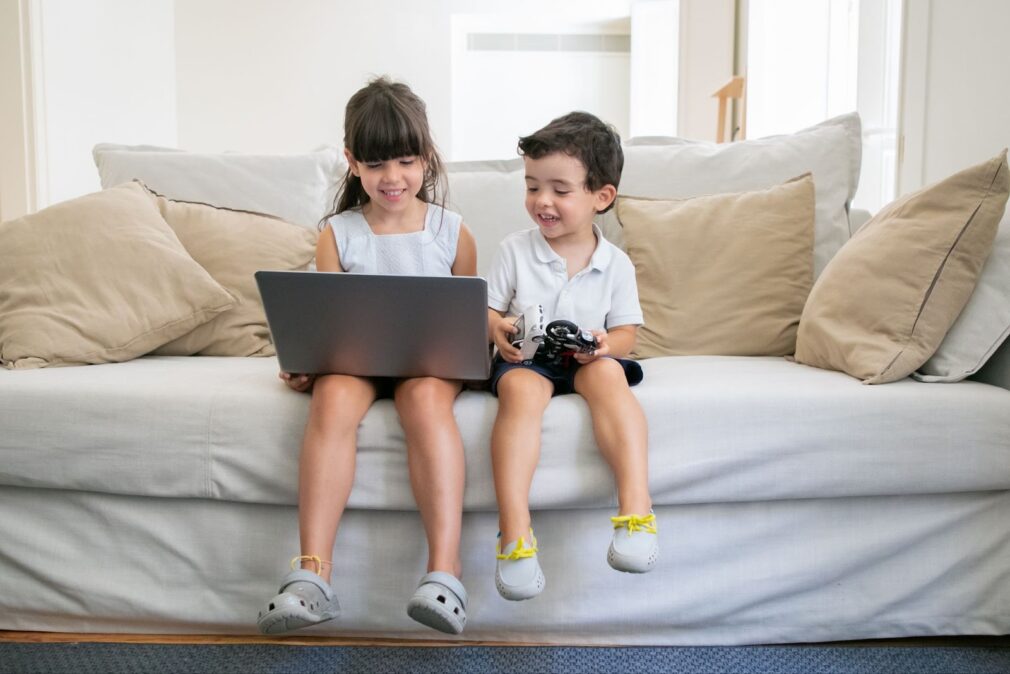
(721, 429)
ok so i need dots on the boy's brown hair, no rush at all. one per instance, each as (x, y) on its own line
(596, 144)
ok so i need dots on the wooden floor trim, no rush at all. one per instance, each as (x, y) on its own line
(12, 636)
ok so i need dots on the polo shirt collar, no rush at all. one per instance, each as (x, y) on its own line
(600, 259)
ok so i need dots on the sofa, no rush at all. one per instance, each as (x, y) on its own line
(795, 503)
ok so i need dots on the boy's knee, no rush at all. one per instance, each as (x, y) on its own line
(602, 372)
(524, 387)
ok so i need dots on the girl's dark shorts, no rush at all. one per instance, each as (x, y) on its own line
(561, 375)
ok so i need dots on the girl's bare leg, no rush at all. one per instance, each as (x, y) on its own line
(437, 465)
(326, 465)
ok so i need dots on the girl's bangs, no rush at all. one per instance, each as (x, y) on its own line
(384, 135)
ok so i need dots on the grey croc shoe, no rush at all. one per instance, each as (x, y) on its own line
(303, 599)
(439, 603)
(517, 573)
(634, 547)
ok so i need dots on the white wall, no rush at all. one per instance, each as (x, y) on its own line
(513, 73)
(274, 76)
(706, 64)
(107, 70)
(956, 96)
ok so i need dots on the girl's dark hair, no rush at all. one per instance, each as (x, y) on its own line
(596, 144)
(385, 120)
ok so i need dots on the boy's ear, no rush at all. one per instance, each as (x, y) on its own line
(604, 197)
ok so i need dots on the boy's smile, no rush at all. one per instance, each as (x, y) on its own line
(557, 198)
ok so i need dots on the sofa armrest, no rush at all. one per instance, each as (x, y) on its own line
(997, 370)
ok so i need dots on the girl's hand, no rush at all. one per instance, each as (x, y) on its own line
(299, 382)
(602, 348)
(503, 331)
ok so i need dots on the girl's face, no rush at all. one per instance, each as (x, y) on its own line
(392, 184)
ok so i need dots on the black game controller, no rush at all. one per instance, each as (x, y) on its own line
(564, 337)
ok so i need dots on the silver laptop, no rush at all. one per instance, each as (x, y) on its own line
(378, 325)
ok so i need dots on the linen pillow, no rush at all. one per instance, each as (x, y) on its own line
(725, 274)
(232, 246)
(674, 168)
(886, 300)
(101, 278)
(298, 188)
(982, 326)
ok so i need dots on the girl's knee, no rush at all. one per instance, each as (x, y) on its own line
(425, 395)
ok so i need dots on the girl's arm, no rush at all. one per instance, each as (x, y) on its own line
(465, 263)
(327, 256)
(327, 259)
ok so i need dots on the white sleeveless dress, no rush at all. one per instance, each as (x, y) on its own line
(429, 252)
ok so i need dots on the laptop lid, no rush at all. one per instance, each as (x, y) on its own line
(378, 325)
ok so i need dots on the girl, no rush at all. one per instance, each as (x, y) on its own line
(384, 222)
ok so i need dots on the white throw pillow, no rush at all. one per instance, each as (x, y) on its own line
(490, 195)
(675, 168)
(983, 325)
(298, 188)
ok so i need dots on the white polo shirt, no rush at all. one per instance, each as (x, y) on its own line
(526, 271)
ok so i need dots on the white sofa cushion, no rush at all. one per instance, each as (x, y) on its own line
(674, 168)
(983, 324)
(721, 429)
(298, 188)
(490, 195)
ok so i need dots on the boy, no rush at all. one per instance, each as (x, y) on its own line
(573, 167)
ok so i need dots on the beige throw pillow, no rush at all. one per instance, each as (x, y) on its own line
(232, 246)
(101, 278)
(886, 300)
(725, 274)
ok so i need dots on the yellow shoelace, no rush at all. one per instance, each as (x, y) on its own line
(522, 551)
(635, 523)
(315, 559)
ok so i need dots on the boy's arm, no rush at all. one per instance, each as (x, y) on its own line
(621, 340)
(500, 329)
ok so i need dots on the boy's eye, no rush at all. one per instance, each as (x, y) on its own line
(531, 189)
(561, 192)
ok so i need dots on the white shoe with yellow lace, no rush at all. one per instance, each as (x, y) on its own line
(517, 574)
(635, 545)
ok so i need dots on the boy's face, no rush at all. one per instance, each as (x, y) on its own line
(557, 198)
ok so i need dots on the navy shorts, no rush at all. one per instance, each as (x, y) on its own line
(561, 375)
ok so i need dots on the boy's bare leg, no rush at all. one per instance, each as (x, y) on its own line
(621, 431)
(437, 464)
(523, 396)
(326, 466)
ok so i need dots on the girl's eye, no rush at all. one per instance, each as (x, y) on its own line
(373, 165)
(406, 162)
(561, 193)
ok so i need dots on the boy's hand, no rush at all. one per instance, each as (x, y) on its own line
(503, 331)
(602, 348)
(299, 382)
